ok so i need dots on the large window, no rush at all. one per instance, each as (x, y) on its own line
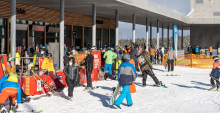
(77, 36)
(98, 37)
(112, 37)
(3, 35)
(2, 26)
(105, 37)
(87, 37)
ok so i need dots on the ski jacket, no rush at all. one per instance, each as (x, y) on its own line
(152, 51)
(196, 49)
(210, 49)
(47, 64)
(7, 84)
(89, 62)
(72, 72)
(148, 65)
(215, 70)
(125, 71)
(11, 69)
(118, 54)
(190, 50)
(171, 55)
(109, 56)
(134, 53)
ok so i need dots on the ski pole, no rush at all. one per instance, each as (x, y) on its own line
(45, 83)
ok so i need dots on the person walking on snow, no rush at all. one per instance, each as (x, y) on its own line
(210, 50)
(109, 56)
(9, 88)
(147, 70)
(89, 67)
(126, 74)
(215, 73)
(152, 53)
(171, 56)
(72, 72)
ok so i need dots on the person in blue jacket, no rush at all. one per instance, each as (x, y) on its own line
(9, 88)
(197, 50)
(126, 74)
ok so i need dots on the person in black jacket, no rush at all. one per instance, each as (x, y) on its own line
(72, 73)
(134, 53)
(190, 49)
(89, 67)
(66, 58)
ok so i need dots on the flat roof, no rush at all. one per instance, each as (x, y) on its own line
(106, 9)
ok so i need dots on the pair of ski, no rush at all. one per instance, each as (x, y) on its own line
(168, 75)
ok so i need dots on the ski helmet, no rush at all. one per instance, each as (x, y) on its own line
(49, 55)
(126, 56)
(68, 53)
(109, 48)
(72, 59)
(11, 59)
(215, 58)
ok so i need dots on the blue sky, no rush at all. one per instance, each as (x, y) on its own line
(182, 6)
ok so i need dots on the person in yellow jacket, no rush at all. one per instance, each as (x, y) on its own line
(48, 64)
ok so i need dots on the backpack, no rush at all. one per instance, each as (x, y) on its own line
(141, 60)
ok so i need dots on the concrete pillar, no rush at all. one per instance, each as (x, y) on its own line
(182, 40)
(173, 37)
(61, 33)
(168, 37)
(162, 37)
(116, 28)
(150, 34)
(147, 21)
(93, 25)
(13, 28)
(133, 30)
(158, 36)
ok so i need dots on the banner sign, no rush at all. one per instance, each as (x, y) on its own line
(175, 29)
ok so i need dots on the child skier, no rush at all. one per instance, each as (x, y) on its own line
(126, 74)
(9, 88)
(71, 71)
(215, 73)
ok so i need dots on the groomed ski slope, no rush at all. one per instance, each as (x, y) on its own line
(185, 94)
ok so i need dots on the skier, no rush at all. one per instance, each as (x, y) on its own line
(72, 73)
(9, 88)
(66, 58)
(134, 53)
(171, 56)
(11, 69)
(48, 64)
(215, 73)
(126, 74)
(146, 69)
(109, 56)
(89, 67)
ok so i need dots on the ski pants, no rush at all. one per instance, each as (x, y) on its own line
(89, 79)
(210, 53)
(107, 75)
(124, 94)
(109, 68)
(113, 69)
(215, 79)
(58, 84)
(118, 63)
(145, 74)
(71, 84)
(170, 65)
(8, 93)
(152, 58)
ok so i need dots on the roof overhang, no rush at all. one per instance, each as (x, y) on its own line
(106, 9)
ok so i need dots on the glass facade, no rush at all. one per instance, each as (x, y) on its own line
(3, 35)
(77, 36)
(98, 37)
(87, 37)
(67, 35)
(105, 34)
(112, 38)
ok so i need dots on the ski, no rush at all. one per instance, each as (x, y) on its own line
(34, 74)
(30, 111)
(39, 97)
(3, 66)
(167, 75)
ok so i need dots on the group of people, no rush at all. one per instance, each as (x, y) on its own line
(197, 50)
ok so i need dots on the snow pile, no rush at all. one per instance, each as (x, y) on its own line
(185, 94)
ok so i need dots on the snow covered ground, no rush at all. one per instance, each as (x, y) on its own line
(185, 94)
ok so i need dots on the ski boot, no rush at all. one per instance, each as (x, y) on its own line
(3, 109)
(70, 98)
(27, 99)
(213, 87)
(116, 106)
(12, 108)
(217, 89)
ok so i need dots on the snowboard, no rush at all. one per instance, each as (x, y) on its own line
(116, 92)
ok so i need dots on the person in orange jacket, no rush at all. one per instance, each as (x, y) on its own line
(210, 50)
(152, 53)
